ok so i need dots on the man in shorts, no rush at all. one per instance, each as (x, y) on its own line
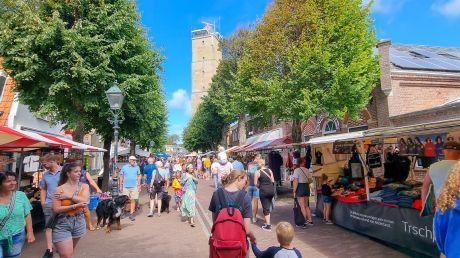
(130, 183)
(48, 185)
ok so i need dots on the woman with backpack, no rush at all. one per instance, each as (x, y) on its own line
(187, 207)
(231, 209)
(265, 181)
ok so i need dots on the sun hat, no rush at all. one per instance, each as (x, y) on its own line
(132, 158)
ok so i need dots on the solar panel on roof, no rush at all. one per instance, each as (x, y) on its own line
(420, 59)
(425, 53)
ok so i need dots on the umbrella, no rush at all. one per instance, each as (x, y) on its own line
(162, 155)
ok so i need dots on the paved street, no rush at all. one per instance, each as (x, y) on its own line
(166, 236)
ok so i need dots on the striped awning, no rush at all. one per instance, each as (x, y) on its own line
(16, 139)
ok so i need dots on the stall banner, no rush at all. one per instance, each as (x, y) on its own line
(400, 226)
(343, 147)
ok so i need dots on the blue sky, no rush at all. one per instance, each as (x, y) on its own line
(169, 23)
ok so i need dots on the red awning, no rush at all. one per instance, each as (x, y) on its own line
(232, 149)
(15, 139)
(72, 144)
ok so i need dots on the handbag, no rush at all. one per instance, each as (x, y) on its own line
(10, 210)
(299, 219)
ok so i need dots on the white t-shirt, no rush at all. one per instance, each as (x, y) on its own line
(302, 174)
(177, 167)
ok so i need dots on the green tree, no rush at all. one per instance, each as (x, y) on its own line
(204, 131)
(64, 55)
(173, 139)
(309, 57)
(222, 90)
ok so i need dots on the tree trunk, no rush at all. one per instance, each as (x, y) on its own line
(77, 135)
(224, 139)
(106, 159)
(132, 148)
(296, 134)
(242, 129)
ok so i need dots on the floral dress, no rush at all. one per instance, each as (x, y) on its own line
(188, 208)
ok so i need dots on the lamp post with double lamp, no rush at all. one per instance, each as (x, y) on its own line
(115, 97)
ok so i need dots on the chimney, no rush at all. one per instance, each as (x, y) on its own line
(385, 66)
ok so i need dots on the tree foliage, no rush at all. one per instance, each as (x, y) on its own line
(204, 131)
(309, 57)
(173, 139)
(64, 55)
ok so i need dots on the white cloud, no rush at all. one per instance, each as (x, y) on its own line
(385, 6)
(449, 8)
(181, 100)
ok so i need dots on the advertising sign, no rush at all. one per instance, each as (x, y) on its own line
(399, 226)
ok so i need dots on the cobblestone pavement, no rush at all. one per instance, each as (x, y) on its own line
(167, 236)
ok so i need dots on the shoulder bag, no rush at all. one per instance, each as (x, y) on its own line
(309, 179)
(10, 210)
(54, 218)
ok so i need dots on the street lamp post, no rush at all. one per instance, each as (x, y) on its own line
(115, 97)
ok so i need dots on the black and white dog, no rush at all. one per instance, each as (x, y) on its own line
(110, 209)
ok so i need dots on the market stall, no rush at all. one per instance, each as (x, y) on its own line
(378, 175)
(20, 151)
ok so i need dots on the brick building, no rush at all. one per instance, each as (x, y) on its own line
(418, 84)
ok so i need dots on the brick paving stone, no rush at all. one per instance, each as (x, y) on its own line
(167, 236)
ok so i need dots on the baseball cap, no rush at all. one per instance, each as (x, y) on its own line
(132, 158)
(451, 145)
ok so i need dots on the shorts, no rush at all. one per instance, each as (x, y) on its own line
(303, 190)
(69, 227)
(253, 191)
(132, 193)
(18, 242)
(327, 199)
(47, 211)
(158, 192)
(207, 170)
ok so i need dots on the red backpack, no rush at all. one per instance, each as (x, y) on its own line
(228, 237)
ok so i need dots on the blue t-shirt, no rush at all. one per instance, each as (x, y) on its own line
(51, 181)
(148, 170)
(130, 174)
(447, 230)
(238, 165)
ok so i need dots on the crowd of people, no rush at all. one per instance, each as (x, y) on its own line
(240, 183)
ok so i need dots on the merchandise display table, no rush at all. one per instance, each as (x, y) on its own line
(395, 225)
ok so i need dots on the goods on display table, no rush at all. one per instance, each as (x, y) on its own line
(378, 181)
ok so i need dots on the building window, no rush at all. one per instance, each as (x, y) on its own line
(3, 77)
(307, 137)
(358, 128)
(330, 127)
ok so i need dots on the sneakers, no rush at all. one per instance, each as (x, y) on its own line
(158, 214)
(48, 254)
(308, 223)
(328, 222)
(150, 214)
(131, 217)
(267, 227)
(254, 220)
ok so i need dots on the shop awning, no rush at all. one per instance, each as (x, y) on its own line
(15, 139)
(335, 137)
(263, 139)
(64, 142)
(232, 149)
